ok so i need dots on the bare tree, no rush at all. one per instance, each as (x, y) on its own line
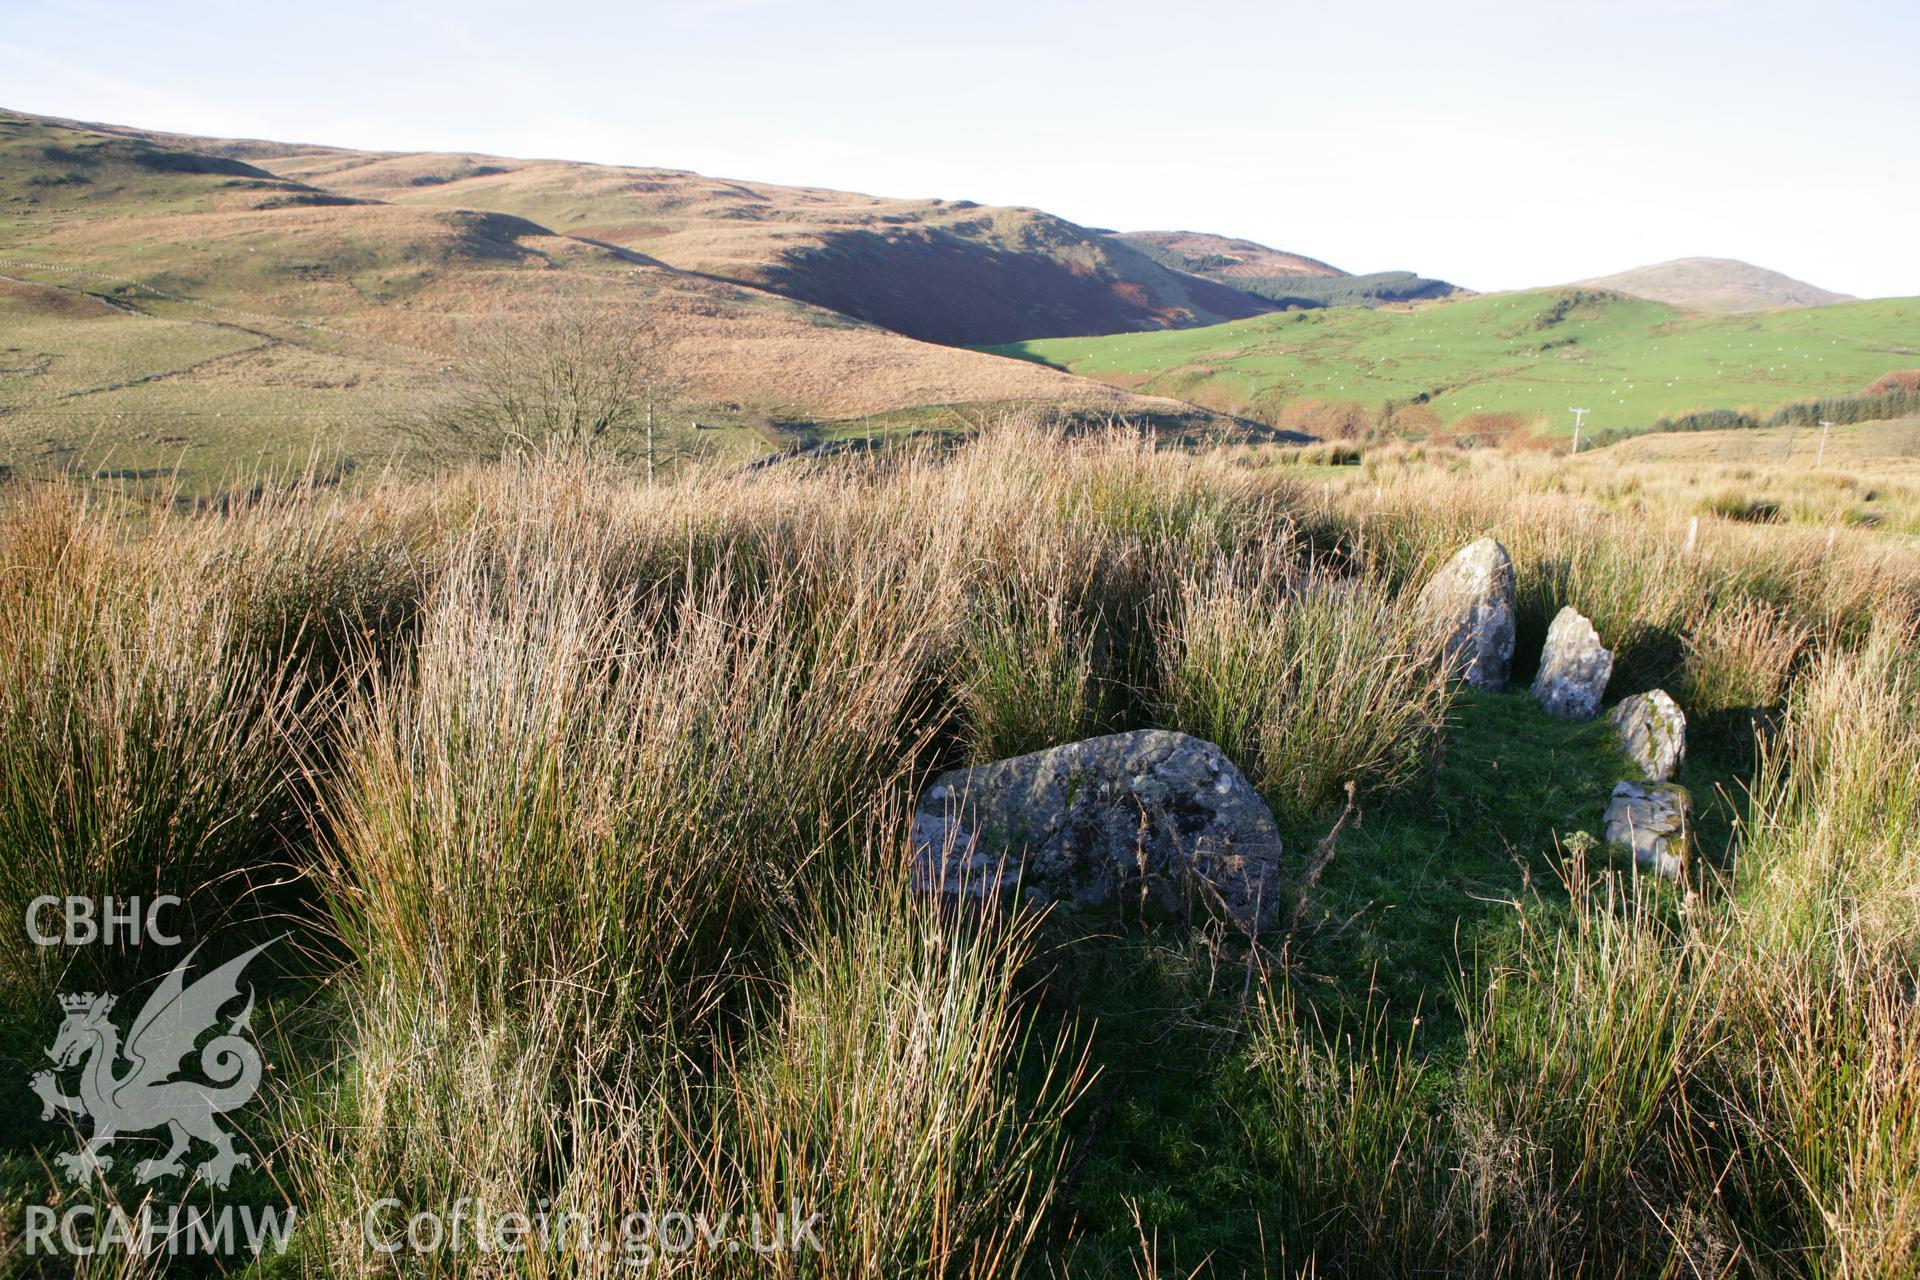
(568, 378)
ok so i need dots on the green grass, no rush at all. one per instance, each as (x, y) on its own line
(1533, 354)
(89, 346)
(1428, 885)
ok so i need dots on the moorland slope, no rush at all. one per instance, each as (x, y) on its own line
(164, 306)
(947, 271)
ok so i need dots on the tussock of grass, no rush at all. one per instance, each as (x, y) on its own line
(1308, 682)
(145, 747)
(1359, 1158)
(606, 789)
(889, 1085)
(1029, 652)
(883, 1096)
(1738, 663)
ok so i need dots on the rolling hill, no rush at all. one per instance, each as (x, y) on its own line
(1716, 284)
(164, 306)
(952, 272)
(1285, 279)
(1504, 363)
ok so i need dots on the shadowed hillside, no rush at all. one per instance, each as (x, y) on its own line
(1284, 279)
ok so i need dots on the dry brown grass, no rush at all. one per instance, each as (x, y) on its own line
(1867, 475)
(612, 783)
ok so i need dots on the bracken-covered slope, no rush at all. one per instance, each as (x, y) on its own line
(1717, 284)
(161, 304)
(943, 271)
(1224, 257)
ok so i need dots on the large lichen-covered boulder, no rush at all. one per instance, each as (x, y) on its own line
(1149, 814)
(1652, 730)
(1655, 821)
(1471, 599)
(1574, 668)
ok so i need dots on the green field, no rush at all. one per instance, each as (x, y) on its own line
(1534, 355)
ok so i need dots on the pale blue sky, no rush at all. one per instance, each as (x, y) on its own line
(1492, 143)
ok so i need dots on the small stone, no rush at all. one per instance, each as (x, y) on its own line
(1653, 732)
(1574, 668)
(1655, 822)
(1089, 821)
(1472, 598)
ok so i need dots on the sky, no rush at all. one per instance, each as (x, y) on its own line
(1494, 144)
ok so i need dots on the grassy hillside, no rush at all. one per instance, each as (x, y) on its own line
(1506, 360)
(165, 308)
(1716, 284)
(942, 271)
(1287, 279)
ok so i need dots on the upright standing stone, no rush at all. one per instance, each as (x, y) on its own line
(1472, 598)
(1149, 812)
(1653, 732)
(1574, 668)
(1655, 822)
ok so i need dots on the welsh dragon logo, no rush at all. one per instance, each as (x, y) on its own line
(145, 1094)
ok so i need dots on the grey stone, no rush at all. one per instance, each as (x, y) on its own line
(1574, 668)
(1653, 732)
(1149, 812)
(1471, 597)
(1655, 821)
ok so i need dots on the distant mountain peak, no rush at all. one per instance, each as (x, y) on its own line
(1716, 284)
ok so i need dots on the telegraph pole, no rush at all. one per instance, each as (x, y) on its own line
(1579, 416)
